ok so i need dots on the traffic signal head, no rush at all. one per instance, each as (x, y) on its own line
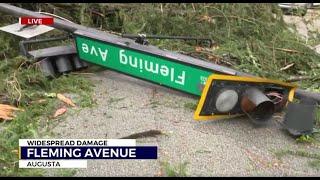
(226, 96)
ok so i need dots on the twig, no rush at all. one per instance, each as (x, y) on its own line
(97, 13)
(150, 133)
(77, 73)
(287, 50)
(298, 78)
(234, 17)
(194, 9)
(287, 67)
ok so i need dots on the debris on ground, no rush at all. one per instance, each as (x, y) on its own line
(60, 111)
(144, 134)
(7, 111)
(65, 100)
(61, 97)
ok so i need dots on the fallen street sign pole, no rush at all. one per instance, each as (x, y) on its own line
(186, 74)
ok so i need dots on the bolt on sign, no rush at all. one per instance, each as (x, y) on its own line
(145, 66)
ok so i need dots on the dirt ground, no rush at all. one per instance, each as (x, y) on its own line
(232, 147)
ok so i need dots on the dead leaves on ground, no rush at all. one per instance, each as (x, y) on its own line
(207, 18)
(60, 111)
(65, 100)
(7, 111)
(198, 49)
(62, 98)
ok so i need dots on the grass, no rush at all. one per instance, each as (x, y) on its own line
(313, 139)
(179, 170)
(252, 36)
(24, 86)
(305, 139)
(300, 152)
(315, 163)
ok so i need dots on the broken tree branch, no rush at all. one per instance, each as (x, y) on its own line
(287, 67)
(298, 78)
(150, 133)
(287, 50)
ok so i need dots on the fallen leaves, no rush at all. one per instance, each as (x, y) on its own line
(61, 97)
(15, 151)
(198, 49)
(7, 111)
(65, 100)
(64, 109)
(60, 111)
(207, 19)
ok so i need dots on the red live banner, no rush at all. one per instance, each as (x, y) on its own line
(36, 21)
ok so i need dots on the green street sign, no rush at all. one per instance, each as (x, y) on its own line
(145, 66)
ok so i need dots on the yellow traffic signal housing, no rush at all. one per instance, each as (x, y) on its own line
(226, 96)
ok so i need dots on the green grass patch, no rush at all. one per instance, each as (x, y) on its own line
(314, 163)
(254, 36)
(24, 85)
(301, 153)
(313, 138)
(305, 139)
(179, 170)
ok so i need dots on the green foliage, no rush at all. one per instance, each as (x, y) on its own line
(253, 33)
(23, 84)
(315, 164)
(175, 171)
(305, 139)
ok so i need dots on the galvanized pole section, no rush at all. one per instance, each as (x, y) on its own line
(71, 27)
